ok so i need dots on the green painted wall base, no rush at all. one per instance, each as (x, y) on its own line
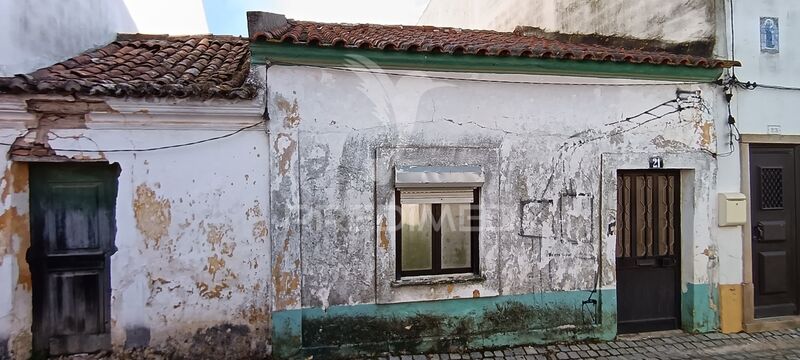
(700, 308)
(467, 324)
(444, 326)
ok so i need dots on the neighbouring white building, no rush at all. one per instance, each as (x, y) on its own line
(36, 34)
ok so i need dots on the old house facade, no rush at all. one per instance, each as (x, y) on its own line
(375, 124)
(334, 189)
(113, 244)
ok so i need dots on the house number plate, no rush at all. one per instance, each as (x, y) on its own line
(656, 162)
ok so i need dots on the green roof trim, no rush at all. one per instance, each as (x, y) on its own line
(284, 53)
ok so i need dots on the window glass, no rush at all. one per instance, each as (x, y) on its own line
(417, 237)
(456, 236)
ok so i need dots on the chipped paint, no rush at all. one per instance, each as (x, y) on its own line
(384, 235)
(213, 292)
(256, 315)
(260, 230)
(254, 211)
(14, 181)
(15, 238)
(153, 215)
(215, 263)
(663, 143)
(21, 345)
(285, 282)
(706, 135)
(285, 146)
(216, 233)
(291, 114)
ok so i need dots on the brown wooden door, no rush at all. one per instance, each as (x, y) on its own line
(773, 189)
(72, 237)
(648, 251)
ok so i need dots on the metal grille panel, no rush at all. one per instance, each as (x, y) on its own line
(646, 215)
(771, 188)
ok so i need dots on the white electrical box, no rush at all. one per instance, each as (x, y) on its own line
(732, 209)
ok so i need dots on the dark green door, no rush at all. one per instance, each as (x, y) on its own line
(72, 238)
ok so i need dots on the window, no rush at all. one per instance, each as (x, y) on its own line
(437, 222)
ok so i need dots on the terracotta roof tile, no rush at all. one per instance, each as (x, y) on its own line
(202, 66)
(431, 39)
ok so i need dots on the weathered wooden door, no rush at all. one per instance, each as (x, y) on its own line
(72, 237)
(648, 250)
(773, 189)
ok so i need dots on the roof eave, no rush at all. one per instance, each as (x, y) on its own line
(263, 52)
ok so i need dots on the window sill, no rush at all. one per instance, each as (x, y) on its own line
(438, 280)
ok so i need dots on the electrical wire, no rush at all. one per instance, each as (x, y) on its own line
(774, 87)
(383, 72)
(173, 146)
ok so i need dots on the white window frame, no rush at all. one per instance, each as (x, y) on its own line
(442, 184)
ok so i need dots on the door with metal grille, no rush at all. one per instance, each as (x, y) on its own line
(773, 184)
(648, 250)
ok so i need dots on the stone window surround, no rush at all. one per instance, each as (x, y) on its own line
(487, 282)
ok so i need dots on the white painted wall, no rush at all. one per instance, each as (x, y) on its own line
(333, 122)
(755, 110)
(193, 256)
(35, 34)
(762, 107)
(651, 19)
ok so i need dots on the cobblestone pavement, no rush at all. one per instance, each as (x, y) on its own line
(782, 344)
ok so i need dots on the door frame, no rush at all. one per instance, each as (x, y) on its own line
(98, 341)
(698, 288)
(677, 223)
(751, 323)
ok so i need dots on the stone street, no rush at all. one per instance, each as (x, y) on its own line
(780, 344)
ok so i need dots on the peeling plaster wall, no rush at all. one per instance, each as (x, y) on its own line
(15, 276)
(675, 21)
(331, 129)
(192, 265)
